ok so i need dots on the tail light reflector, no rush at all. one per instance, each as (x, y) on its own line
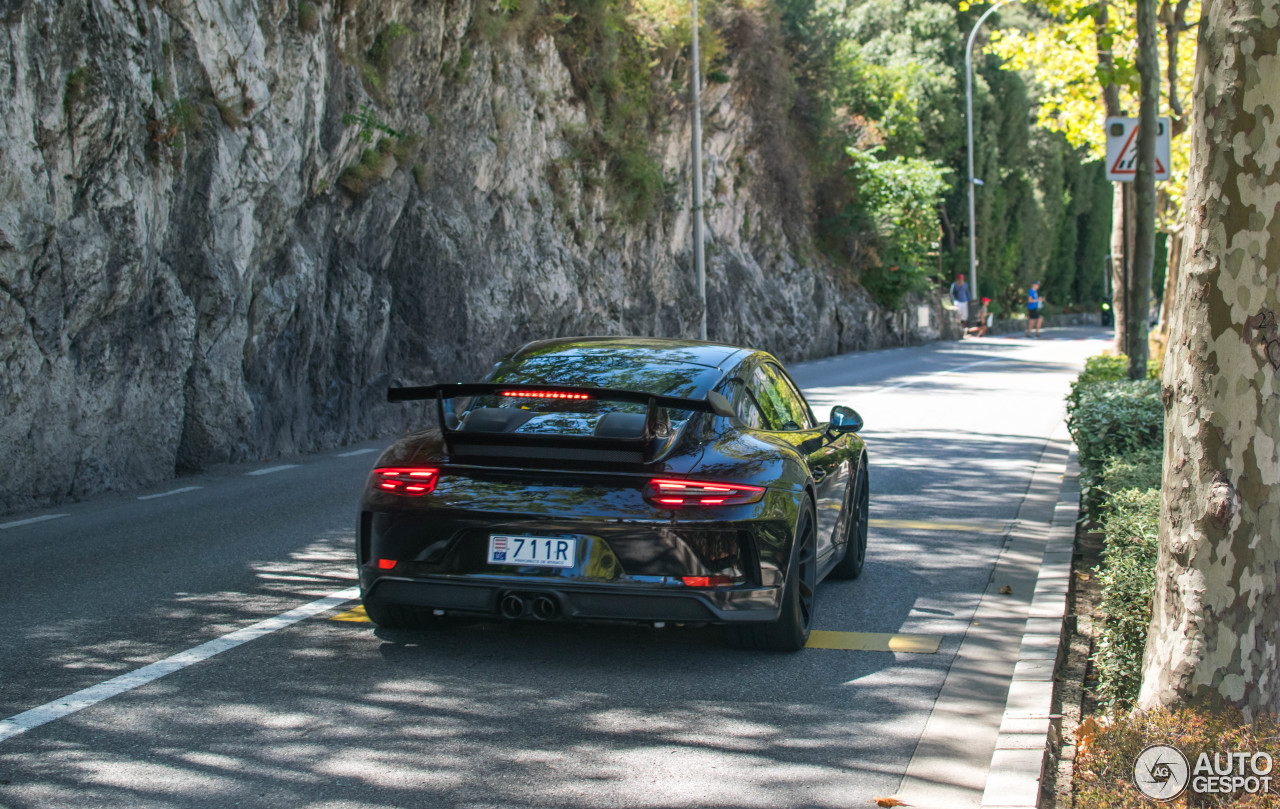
(386, 564)
(543, 394)
(707, 581)
(679, 493)
(411, 482)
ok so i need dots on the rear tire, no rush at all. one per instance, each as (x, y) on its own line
(855, 547)
(790, 632)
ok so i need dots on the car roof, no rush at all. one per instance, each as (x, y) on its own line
(643, 349)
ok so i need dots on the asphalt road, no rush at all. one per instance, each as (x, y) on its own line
(325, 713)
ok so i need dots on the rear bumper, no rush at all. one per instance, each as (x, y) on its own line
(572, 601)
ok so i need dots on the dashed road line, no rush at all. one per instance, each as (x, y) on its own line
(31, 521)
(874, 642)
(183, 490)
(930, 525)
(271, 470)
(34, 718)
(356, 616)
(355, 452)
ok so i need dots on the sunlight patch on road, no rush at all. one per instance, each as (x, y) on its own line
(874, 642)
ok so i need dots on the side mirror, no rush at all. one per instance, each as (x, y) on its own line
(845, 420)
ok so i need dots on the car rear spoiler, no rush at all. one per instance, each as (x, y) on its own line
(615, 449)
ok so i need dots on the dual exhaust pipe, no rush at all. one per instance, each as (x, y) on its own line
(541, 607)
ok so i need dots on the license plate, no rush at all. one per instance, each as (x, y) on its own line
(532, 551)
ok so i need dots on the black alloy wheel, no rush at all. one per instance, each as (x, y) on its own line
(790, 632)
(855, 547)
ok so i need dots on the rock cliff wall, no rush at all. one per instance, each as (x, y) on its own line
(226, 225)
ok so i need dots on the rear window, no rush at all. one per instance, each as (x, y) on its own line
(529, 413)
(605, 369)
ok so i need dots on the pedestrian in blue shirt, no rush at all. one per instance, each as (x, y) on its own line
(1034, 318)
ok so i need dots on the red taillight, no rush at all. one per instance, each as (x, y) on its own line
(543, 394)
(677, 493)
(411, 482)
(386, 564)
(707, 581)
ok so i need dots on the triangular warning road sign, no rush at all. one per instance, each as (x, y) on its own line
(1122, 149)
(1127, 162)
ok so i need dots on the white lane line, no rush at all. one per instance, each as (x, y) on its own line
(31, 521)
(34, 718)
(355, 452)
(271, 469)
(183, 490)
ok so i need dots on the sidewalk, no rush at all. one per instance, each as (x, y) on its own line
(986, 741)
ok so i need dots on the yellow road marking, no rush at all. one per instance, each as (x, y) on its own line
(874, 642)
(922, 525)
(818, 639)
(355, 615)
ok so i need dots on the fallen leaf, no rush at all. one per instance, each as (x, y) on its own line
(1082, 576)
(1006, 590)
(1085, 733)
(889, 802)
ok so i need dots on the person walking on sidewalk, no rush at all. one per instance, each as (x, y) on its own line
(1034, 318)
(960, 297)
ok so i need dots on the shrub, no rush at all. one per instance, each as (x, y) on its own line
(308, 17)
(77, 86)
(1107, 368)
(900, 198)
(1104, 761)
(1127, 576)
(1140, 470)
(1103, 368)
(169, 132)
(1114, 418)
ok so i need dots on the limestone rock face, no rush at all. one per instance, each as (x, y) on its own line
(224, 231)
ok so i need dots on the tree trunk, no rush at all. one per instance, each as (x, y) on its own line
(1215, 626)
(1144, 193)
(1170, 281)
(1120, 257)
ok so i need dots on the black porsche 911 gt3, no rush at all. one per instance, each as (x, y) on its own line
(618, 479)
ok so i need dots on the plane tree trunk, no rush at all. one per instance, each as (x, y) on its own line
(1215, 628)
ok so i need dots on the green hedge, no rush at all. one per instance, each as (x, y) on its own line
(1118, 426)
(1127, 576)
(1114, 419)
(1140, 470)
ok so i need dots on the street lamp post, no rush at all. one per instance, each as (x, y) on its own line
(699, 264)
(968, 106)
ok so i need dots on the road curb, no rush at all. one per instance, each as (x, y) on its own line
(1029, 729)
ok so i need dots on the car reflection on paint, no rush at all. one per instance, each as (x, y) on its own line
(618, 479)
